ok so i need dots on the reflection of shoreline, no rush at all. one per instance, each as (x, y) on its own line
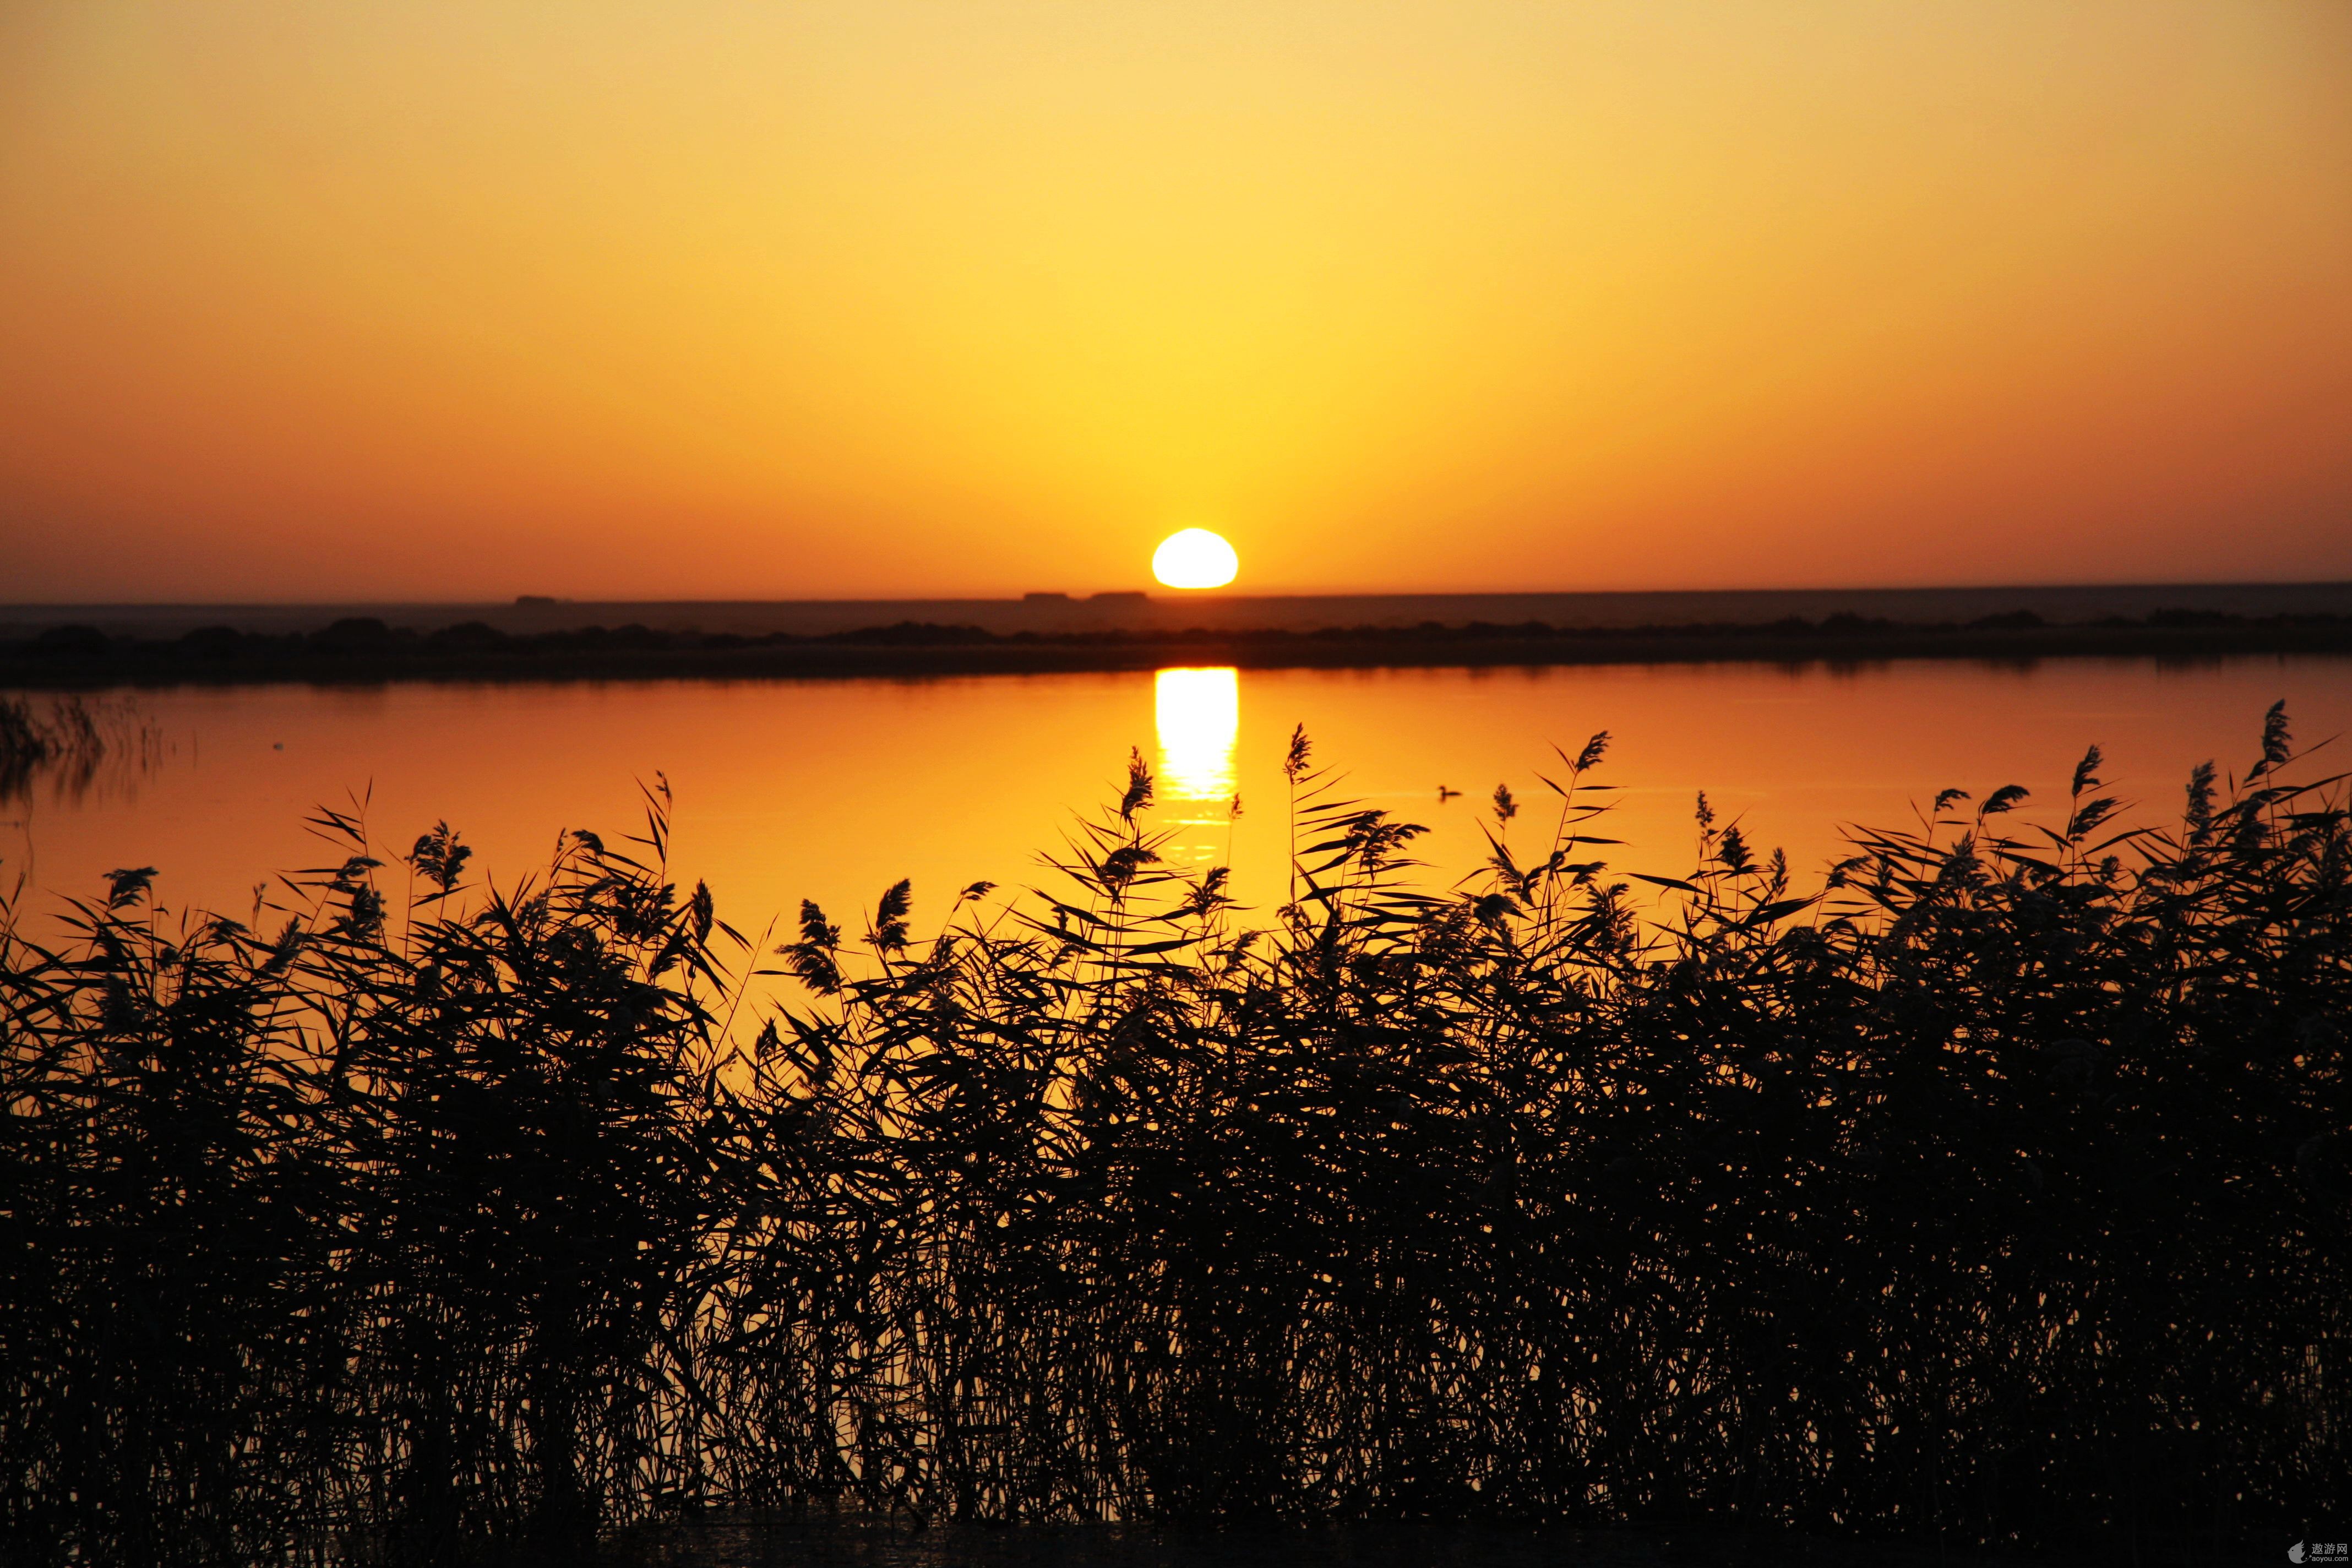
(914, 651)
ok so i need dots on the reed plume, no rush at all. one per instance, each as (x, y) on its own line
(1993, 1192)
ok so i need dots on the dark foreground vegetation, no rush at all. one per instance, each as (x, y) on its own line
(1995, 1195)
(368, 649)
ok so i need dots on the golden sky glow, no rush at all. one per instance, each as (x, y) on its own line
(459, 300)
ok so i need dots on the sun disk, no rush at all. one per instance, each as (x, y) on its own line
(1194, 558)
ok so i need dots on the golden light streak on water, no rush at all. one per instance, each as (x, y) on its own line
(1200, 717)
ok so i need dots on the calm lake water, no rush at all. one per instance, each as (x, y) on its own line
(834, 790)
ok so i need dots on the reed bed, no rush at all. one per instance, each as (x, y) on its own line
(1995, 1193)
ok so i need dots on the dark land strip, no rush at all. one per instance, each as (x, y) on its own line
(859, 1541)
(1168, 613)
(365, 649)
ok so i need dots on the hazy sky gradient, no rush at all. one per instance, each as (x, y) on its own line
(419, 301)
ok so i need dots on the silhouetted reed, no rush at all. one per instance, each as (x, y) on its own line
(1995, 1193)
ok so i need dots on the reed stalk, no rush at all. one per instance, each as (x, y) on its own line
(1995, 1193)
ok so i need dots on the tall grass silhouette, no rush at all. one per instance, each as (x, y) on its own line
(1994, 1193)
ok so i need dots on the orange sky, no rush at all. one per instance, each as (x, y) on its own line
(447, 301)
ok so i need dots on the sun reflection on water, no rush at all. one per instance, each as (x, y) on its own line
(1199, 712)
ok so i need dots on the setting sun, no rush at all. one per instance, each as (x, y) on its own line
(1194, 558)
(441, 436)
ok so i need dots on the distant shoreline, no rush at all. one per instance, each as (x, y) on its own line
(369, 651)
(1170, 613)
